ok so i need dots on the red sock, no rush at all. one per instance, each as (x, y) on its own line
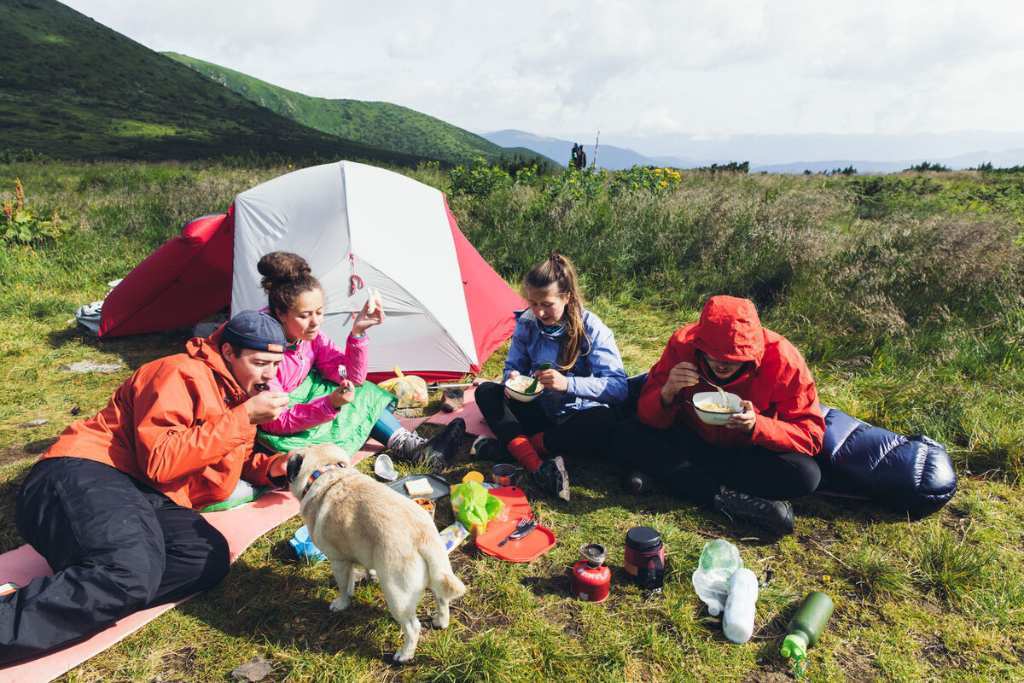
(537, 441)
(522, 450)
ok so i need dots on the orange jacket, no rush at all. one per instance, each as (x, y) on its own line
(178, 425)
(777, 381)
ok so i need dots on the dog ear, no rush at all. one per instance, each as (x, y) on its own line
(294, 465)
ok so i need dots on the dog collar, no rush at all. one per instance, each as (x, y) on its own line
(316, 474)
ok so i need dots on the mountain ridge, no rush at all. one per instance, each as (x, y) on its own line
(380, 124)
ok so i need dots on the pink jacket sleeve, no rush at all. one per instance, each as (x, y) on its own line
(327, 357)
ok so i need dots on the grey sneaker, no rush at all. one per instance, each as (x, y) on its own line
(553, 478)
(434, 453)
(775, 515)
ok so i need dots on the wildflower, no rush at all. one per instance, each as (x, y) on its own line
(9, 210)
(19, 194)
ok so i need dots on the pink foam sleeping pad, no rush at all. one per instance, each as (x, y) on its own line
(240, 526)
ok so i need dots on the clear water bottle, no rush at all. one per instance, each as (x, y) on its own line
(718, 562)
(738, 620)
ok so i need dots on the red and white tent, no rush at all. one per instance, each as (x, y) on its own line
(447, 308)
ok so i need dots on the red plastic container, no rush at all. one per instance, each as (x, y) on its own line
(591, 580)
(645, 557)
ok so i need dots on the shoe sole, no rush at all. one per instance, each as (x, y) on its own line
(563, 493)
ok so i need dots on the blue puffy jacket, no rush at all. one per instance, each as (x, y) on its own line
(598, 378)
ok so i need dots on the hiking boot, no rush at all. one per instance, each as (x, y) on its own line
(775, 515)
(486, 448)
(452, 399)
(434, 453)
(552, 478)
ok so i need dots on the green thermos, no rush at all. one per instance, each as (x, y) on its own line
(807, 625)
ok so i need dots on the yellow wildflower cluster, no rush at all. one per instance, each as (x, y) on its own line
(667, 177)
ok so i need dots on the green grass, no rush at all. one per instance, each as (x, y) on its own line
(936, 599)
(71, 88)
(377, 124)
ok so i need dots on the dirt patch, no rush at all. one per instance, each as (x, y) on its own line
(935, 652)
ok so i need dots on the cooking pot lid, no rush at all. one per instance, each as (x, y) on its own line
(643, 538)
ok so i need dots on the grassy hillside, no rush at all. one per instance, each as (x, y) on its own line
(72, 88)
(379, 124)
(905, 293)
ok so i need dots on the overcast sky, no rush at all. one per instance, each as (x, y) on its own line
(631, 69)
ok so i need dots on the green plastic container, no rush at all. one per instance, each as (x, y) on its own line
(807, 625)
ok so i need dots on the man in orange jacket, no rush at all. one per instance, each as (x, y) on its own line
(112, 504)
(749, 467)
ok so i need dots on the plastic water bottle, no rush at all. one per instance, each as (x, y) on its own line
(807, 625)
(738, 620)
(718, 562)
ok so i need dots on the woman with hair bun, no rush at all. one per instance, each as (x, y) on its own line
(331, 399)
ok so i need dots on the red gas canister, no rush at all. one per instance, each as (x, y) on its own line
(591, 580)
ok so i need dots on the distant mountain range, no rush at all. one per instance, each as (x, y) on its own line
(614, 158)
(608, 156)
(378, 124)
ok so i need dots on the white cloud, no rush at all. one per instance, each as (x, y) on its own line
(570, 68)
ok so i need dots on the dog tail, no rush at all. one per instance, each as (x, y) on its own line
(442, 578)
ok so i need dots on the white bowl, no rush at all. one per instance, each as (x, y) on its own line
(521, 396)
(711, 417)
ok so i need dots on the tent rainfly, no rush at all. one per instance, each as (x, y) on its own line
(359, 227)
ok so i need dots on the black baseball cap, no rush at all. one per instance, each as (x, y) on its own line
(255, 330)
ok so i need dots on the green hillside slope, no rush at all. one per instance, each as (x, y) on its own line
(73, 88)
(380, 124)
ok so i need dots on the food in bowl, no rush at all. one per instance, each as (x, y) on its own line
(517, 388)
(521, 383)
(711, 410)
(714, 407)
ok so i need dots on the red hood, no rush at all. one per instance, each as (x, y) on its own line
(730, 330)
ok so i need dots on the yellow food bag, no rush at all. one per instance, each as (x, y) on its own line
(410, 390)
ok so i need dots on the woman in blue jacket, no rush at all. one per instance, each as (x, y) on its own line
(573, 356)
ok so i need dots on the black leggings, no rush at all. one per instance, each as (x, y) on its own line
(685, 465)
(582, 434)
(115, 547)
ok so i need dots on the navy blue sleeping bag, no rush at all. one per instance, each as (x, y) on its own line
(907, 473)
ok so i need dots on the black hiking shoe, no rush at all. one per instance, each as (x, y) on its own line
(487, 448)
(552, 478)
(775, 515)
(436, 452)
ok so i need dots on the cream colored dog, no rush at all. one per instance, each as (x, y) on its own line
(355, 520)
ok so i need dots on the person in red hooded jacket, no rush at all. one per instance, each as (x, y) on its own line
(112, 505)
(763, 456)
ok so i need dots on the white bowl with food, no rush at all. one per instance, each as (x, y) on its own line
(517, 386)
(712, 410)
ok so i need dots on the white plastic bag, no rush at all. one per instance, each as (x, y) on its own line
(718, 561)
(410, 390)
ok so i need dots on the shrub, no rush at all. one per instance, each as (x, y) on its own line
(22, 226)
